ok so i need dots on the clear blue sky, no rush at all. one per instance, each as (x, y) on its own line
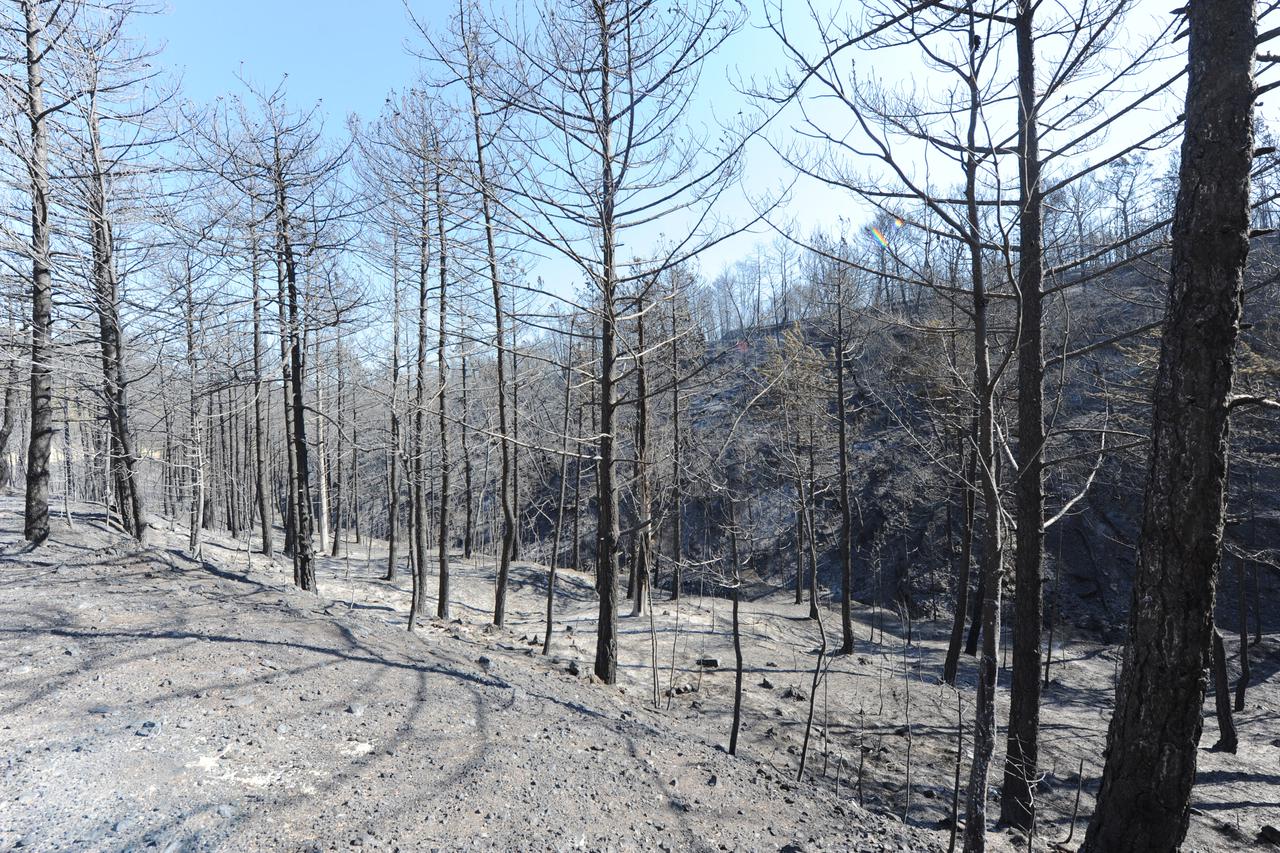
(350, 53)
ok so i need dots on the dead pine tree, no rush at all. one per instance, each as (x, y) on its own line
(1144, 801)
(33, 28)
(628, 67)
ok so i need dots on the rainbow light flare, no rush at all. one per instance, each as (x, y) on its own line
(880, 237)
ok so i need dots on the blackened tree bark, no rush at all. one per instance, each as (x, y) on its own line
(1022, 749)
(115, 385)
(36, 526)
(8, 420)
(1227, 740)
(736, 586)
(468, 501)
(304, 571)
(418, 473)
(260, 435)
(642, 562)
(677, 495)
(442, 369)
(554, 559)
(952, 661)
(1144, 802)
(985, 379)
(393, 462)
(485, 191)
(1243, 684)
(842, 440)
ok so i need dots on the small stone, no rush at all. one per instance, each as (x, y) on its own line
(282, 729)
(766, 683)
(226, 810)
(101, 710)
(574, 668)
(356, 709)
(147, 728)
(795, 693)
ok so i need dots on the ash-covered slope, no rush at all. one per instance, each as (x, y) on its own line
(154, 703)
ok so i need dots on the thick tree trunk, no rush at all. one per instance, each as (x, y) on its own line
(1144, 802)
(300, 483)
(1022, 749)
(606, 662)
(36, 525)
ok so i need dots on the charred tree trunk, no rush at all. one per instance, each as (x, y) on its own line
(1243, 684)
(36, 524)
(606, 662)
(418, 473)
(123, 459)
(300, 485)
(260, 434)
(495, 283)
(8, 422)
(442, 370)
(1022, 748)
(1144, 802)
(643, 561)
(952, 661)
(393, 463)
(984, 730)
(736, 587)
(554, 559)
(1227, 740)
(468, 501)
(846, 517)
(677, 497)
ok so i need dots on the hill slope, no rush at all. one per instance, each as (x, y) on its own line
(151, 702)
